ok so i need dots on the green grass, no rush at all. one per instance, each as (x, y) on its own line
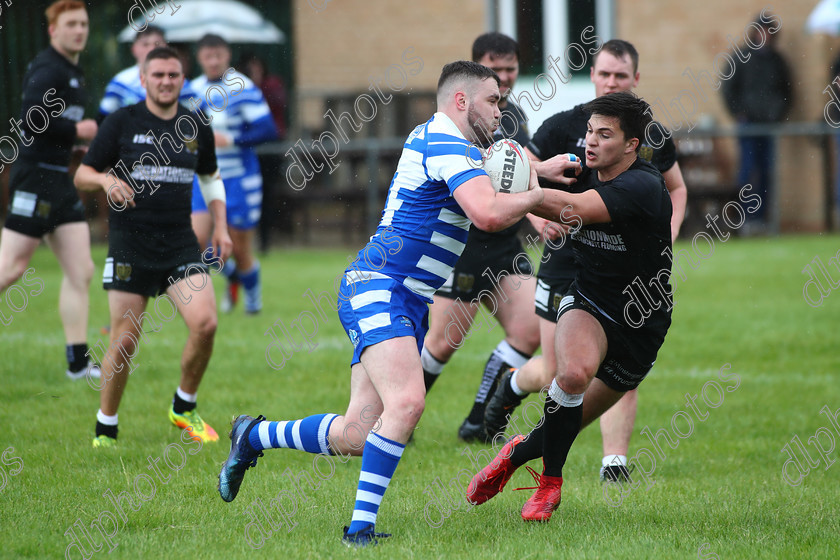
(721, 486)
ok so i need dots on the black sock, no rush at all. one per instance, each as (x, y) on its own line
(562, 424)
(429, 379)
(531, 448)
(105, 430)
(509, 392)
(493, 370)
(77, 358)
(181, 406)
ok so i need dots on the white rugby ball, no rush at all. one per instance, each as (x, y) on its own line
(508, 167)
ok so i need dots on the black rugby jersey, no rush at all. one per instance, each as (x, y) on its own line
(57, 86)
(159, 165)
(610, 256)
(565, 133)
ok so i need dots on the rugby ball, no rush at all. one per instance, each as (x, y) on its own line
(507, 166)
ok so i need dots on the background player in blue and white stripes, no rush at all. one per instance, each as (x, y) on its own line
(487, 266)
(437, 191)
(241, 119)
(125, 88)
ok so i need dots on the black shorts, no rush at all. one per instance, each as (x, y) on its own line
(41, 198)
(547, 297)
(482, 265)
(148, 263)
(631, 352)
(554, 280)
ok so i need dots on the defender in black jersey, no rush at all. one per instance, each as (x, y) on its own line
(615, 68)
(145, 157)
(487, 265)
(42, 200)
(601, 350)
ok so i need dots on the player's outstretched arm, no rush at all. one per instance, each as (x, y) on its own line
(492, 211)
(584, 208)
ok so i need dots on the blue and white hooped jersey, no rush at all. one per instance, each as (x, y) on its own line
(237, 108)
(125, 89)
(423, 229)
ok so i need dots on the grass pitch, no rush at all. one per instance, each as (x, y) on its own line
(718, 493)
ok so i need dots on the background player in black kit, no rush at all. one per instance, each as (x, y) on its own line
(43, 202)
(486, 258)
(625, 234)
(615, 68)
(151, 246)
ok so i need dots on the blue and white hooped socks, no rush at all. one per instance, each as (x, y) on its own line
(309, 434)
(379, 461)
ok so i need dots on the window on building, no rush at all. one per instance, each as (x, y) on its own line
(544, 27)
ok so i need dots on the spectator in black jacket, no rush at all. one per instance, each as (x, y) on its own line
(760, 91)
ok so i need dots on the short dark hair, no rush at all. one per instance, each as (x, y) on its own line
(461, 69)
(149, 30)
(212, 40)
(619, 49)
(632, 112)
(493, 43)
(161, 53)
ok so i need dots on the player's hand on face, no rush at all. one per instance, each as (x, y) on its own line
(554, 168)
(119, 192)
(86, 129)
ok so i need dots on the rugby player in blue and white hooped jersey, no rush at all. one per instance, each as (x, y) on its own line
(125, 88)
(437, 190)
(241, 119)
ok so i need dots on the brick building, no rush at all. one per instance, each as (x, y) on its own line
(342, 47)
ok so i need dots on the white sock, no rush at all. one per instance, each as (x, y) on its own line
(103, 418)
(430, 363)
(189, 397)
(514, 386)
(511, 355)
(563, 398)
(614, 461)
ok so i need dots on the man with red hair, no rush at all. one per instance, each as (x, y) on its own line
(43, 202)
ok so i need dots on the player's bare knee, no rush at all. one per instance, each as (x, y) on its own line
(125, 343)
(409, 409)
(522, 336)
(575, 377)
(11, 273)
(205, 326)
(87, 272)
